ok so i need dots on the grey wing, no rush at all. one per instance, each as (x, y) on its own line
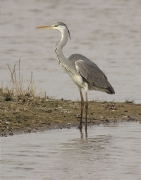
(95, 78)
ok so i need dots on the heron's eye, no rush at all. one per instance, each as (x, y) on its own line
(55, 25)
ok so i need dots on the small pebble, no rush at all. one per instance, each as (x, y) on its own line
(29, 130)
(11, 133)
(34, 130)
(68, 126)
(3, 135)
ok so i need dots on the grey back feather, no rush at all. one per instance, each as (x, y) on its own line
(91, 73)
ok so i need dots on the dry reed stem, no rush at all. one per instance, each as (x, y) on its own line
(20, 87)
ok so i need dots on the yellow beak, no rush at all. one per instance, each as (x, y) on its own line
(41, 27)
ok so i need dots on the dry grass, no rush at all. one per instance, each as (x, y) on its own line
(18, 86)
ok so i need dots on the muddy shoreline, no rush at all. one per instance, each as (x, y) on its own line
(32, 114)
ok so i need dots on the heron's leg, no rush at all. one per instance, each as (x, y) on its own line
(82, 107)
(86, 107)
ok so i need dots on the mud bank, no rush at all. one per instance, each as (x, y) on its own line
(28, 114)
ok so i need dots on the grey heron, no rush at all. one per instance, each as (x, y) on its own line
(83, 72)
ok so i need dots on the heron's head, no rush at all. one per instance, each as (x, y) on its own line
(60, 26)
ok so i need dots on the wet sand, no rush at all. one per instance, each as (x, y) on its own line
(28, 114)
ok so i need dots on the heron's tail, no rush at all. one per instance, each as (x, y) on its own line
(110, 90)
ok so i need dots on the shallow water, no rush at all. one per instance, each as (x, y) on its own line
(108, 152)
(107, 32)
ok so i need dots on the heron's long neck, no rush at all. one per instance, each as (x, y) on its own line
(61, 58)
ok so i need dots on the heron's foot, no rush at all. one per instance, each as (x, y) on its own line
(80, 126)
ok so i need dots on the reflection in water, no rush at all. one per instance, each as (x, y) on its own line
(82, 134)
(106, 152)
